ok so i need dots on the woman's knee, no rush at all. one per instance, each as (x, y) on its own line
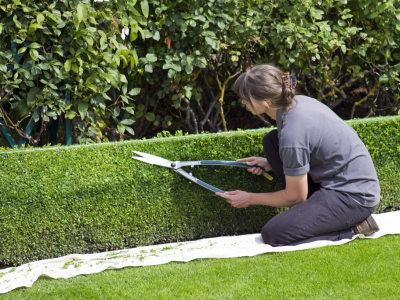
(272, 234)
(270, 138)
(271, 143)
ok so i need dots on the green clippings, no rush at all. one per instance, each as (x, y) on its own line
(167, 248)
(86, 199)
(67, 264)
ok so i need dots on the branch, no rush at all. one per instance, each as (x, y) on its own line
(196, 127)
(210, 108)
(221, 99)
(205, 119)
(376, 85)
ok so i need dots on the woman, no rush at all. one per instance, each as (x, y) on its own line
(327, 175)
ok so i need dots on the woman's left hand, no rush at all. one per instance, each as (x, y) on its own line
(238, 199)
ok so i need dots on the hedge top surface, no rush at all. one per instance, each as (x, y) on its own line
(229, 133)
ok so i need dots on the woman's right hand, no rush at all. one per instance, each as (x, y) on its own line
(259, 161)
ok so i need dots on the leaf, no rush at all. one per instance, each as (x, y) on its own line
(177, 67)
(70, 114)
(384, 78)
(92, 87)
(135, 56)
(103, 41)
(151, 57)
(29, 83)
(22, 107)
(145, 8)
(130, 110)
(130, 130)
(121, 128)
(44, 66)
(198, 97)
(113, 76)
(81, 12)
(75, 68)
(82, 108)
(189, 69)
(76, 21)
(123, 78)
(34, 26)
(167, 66)
(67, 65)
(150, 116)
(34, 54)
(21, 50)
(209, 40)
(148, 68)
(133, 35)
(171, 73)
(128, 121)
(117, 111)
(290, 41)
(40, 18)
(31, 99)
(374, 15)
(156, 36)
(188, 91)
(36, 116)
(124, 88)
(35, 46)
(51, 114)
(117, 60)
(134, 92)
(125, 99)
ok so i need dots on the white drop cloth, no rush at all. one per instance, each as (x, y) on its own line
(219, 247)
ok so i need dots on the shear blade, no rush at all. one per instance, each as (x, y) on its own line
(152, 159)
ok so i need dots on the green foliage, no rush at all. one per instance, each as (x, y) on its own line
(62, 200)
(141, 66)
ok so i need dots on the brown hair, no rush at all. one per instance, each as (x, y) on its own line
(267, 82)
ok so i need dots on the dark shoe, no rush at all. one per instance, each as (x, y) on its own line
(366, 227)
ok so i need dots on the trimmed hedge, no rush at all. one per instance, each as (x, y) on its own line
(60, 200)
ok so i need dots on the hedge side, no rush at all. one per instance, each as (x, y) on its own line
(63, 200)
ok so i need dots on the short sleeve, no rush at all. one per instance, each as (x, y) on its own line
(296, 161)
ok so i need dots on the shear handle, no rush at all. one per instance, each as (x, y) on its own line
(199, 182)
(228, 163)
(181, 164)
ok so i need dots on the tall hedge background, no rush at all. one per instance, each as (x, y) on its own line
(135, 68)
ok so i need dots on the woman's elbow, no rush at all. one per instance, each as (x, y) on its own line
(296, 199)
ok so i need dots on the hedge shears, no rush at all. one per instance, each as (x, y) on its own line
(177, 167)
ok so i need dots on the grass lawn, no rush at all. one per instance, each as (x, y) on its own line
(362, 269)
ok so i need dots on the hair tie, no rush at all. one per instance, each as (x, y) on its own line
(289, 81)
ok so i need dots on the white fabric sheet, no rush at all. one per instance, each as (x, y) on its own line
(219, 247)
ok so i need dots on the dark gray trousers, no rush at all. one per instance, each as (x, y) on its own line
(325, 215)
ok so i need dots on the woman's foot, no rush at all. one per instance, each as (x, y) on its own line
(366, 227)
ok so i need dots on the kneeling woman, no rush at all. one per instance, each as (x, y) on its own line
(327, 175)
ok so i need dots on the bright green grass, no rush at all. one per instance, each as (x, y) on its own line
(362, 269)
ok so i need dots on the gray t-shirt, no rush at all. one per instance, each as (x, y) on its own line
(314, 140)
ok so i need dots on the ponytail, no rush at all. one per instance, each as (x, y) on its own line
(267, 82)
